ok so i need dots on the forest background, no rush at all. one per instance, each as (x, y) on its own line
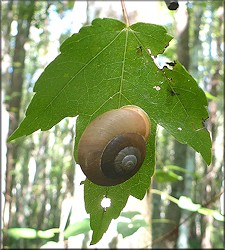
(41, 191)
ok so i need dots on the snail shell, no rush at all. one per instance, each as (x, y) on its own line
(113, 146)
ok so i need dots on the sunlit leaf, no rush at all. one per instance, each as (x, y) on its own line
(80, 227)
(30, 233)
(180, 169)
(206, 211)
(210, 96)
(129, 228)
(130, 214)
(47, 234)
(25, 233)
(186, 203)
(167, 176)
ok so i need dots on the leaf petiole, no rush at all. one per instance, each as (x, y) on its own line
(125, 16)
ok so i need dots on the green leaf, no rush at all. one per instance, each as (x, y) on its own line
(210, 96)
(167, 176)
(191, 111)
(186, 203)
(26, 233)
(129, 228)
(80, 227)
(47, 234)
(108, 65)
(217, 215)
(30, 233)
(180, 169)
(100, 218)
(129, 214)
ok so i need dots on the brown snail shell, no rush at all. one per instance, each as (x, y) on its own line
(113, 146)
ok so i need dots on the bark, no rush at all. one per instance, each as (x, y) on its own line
(25, 15)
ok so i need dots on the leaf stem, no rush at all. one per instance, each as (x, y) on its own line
(125, 16)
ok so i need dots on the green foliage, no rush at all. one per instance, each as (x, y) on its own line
(30, 233)
(124, 228)
(131, 224)
(108, 65)
(186, 203)
(167, 176)
(80, 227)
(180, 169)
(210, 96)
(129, 228)
(129, 214)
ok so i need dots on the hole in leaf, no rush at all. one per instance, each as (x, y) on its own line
(105, 203)
(156, 88)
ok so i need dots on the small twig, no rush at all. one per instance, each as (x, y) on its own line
(125, 16)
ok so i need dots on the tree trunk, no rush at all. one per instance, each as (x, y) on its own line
(25, 15)
(196, 52)
(211, 172)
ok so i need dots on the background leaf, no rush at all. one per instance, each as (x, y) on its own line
(80, 227)
(167, 176)
(186, 203)
(180, 169)
(30, 233)
(26, 233)
(129, 228)
(129, 214)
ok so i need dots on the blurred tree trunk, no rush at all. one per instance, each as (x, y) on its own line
(25, 16)
(211, 172)
(164, 157)
(7, 18)
(195, 54)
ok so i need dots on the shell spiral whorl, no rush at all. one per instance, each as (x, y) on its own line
(126, 160)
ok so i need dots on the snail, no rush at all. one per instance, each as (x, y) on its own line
(112, 148)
